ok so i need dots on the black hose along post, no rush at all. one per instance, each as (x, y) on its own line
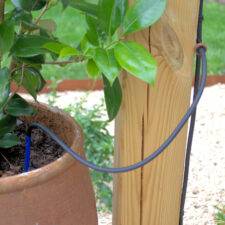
(193, 117)
(201, 64)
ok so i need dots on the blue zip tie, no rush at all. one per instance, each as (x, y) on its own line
(27, 154)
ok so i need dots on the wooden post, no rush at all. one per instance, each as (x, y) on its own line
(151, 195)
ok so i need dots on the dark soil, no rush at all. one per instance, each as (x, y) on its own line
(43, 152)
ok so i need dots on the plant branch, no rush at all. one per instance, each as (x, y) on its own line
(3, 156)
(18, 86)
(62, 63)
(112, 44)
(44, 10)
(2, 12)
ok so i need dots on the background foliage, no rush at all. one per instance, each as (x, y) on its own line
(214, 17)
(220, 216)
(98, 144)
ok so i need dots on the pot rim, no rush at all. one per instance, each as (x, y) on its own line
(38, 176)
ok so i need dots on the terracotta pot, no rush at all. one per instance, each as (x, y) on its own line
(60, 193)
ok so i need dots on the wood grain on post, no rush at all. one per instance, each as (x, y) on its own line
(151, 195)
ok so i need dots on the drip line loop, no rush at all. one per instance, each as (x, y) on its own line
(201, 65)
(151, 157)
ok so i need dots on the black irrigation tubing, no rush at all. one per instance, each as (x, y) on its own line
(202, 51)
(201, 64)
(193, 117)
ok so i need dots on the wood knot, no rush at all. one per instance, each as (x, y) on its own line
(167, 44)
(171, 46)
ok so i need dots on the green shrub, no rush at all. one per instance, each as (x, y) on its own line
(220, 216)
(98, 144)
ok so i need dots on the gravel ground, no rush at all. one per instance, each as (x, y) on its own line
(207, 173)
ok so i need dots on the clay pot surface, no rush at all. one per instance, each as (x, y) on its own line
(60, 193)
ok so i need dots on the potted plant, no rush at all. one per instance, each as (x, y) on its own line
(60, 192)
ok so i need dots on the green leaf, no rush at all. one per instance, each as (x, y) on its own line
(32, 81)
(34, 60)
(92, 69)
(107, 64)
(111, 14)
(19, 15)
(8, 140)
(143, 14)
(17, 106)
(68, 51)
(24, 19)
(29, 5)
(92, 32)
(113, 97)
(118, 14)
(6, 35)
(54, 47)
(104, 14)
(135, 59)
(7, 124)
(4, 86)
(86, 7)
(60, 49)
(108, 20)
(87, 48)
(29, 45)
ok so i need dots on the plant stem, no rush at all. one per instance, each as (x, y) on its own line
(2, 11)
(112, 44)
(61, 63)
(18, 86)
(11, 166)
(42, 12)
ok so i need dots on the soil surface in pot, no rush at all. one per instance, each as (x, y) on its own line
(43, 151)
